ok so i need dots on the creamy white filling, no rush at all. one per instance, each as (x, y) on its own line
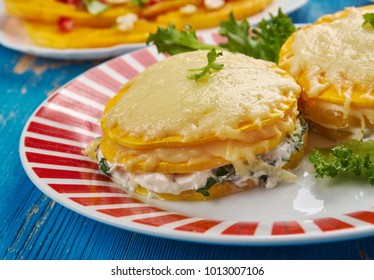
(173, 183)
(266, 171)
(162, 183)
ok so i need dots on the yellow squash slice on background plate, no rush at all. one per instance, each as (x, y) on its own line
(77, 24)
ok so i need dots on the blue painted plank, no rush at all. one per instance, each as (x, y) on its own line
(313, 9)
(32, 226)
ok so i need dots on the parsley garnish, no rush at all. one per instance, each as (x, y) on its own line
(368, 19)
(353, 157)
(212, 56)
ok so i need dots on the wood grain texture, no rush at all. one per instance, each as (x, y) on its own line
(32, 226)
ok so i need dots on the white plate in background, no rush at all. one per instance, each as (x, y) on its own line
(13, 36)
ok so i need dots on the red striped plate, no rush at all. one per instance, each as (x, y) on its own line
(307, 211)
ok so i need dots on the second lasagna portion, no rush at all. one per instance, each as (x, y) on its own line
(178, 138)
(333, 60)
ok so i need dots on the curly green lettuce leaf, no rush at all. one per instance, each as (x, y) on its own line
(368, 20)
(212, 65)
(170, 40)
(272, 34)
(351, 158)
(237, 35)
(263, 41)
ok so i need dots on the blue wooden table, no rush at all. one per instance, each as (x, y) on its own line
(32, 226)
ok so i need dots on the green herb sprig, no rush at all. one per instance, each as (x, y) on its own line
(353, 158)
(212, 65)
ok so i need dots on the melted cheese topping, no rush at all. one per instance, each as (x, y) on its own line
(162, 102)
(335, 52)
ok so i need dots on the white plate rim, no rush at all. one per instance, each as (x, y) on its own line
(104, 53)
